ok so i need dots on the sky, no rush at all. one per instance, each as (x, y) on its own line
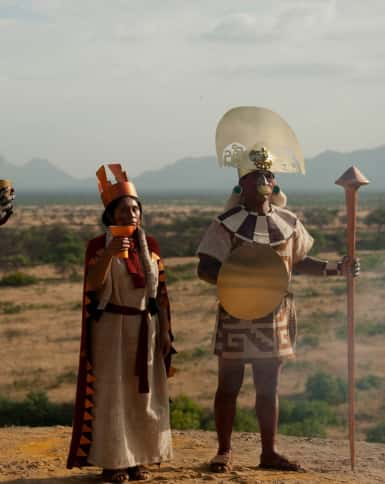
(145, 82)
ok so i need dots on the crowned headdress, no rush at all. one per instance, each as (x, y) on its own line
(111, 191)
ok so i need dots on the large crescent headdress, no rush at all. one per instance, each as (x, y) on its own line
(252, 138)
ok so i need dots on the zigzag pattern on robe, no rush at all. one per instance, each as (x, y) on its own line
(82, 422)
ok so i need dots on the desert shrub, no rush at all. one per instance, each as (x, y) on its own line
(309, 341)
(67, 377)
(309, 292)
(364, 328)
(9, 307)
(18, 279)
(320, 216)
(328, 241)
(371, 328)
(327, 388)
(376, 433)
(200, 352)
(369, 381)
(305, 418)
(185, 413)
(246, 420)
(182, 272)
(376, 217)
(35, 410)
(371, 241)
(306, 428)
(371, 262)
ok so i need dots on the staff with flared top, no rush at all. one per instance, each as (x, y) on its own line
(250, 252)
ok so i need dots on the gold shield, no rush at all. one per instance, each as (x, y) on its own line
(252, 281)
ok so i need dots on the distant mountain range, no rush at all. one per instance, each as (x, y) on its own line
(190, 175)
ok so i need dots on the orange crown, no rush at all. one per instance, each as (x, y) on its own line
(111, 191)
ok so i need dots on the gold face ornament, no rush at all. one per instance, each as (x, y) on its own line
(252, 281)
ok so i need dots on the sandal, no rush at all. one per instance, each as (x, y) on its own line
(221, 463)
(138, 473)
(114, 475)
(280, 463)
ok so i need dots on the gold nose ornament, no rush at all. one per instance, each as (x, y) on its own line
(252, 281)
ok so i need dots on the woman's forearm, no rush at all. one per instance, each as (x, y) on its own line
(97, 273)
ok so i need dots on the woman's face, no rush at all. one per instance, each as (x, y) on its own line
(127, 212)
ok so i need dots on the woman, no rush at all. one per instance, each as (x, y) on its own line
(122, 406)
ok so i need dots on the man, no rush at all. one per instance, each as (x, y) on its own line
(255, 215)
(7, 195)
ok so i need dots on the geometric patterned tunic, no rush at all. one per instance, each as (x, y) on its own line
(274, 335)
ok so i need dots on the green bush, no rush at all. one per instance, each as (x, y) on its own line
(185, 414)
(376, 217)
(327, 388)
(376, 433)
(18, 279)
(320, 216)
(182, 272)
(309, 341)
(35, 411)
(371, 262)
(9, 307)
(366, 328)
(369, 381)
(306, 428)
(246, 420)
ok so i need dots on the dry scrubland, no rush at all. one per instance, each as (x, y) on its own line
(40, 324)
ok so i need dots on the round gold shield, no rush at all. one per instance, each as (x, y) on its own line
(252, 281)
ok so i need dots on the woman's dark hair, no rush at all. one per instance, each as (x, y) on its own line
(108, 214)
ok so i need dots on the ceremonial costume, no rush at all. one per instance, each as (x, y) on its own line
(122, 405)
(7, 195)
(241, 142)
(274, 335)
(250, 252)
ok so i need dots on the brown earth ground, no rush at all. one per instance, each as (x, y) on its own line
(37, 455)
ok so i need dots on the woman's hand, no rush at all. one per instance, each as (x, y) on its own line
(118, 244)
(165, 343)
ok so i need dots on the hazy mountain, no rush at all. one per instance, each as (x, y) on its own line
(40, 175)
(321, 173)
(203, 174)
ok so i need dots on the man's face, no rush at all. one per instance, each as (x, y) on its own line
(257, 187)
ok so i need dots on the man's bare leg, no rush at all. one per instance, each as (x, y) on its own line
(230, 378)
(266, 381)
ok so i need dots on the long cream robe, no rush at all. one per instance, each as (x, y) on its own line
(129, 428)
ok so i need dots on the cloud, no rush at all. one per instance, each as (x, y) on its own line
(21, 11)
(239, 27)
(310, 18)
(293, 70)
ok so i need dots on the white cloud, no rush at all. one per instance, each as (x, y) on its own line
(240, 27)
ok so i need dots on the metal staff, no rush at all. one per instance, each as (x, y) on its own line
(351, 181)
